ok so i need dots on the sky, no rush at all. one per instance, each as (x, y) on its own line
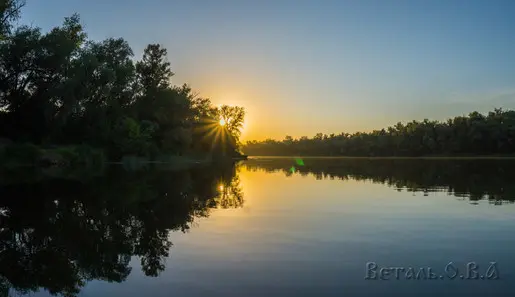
(302, 67)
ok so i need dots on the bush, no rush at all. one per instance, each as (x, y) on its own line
(80, 155)
(20, 154)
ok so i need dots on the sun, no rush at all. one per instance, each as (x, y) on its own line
(222, 122)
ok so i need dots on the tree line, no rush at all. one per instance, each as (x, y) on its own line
(474, 134)
(61, 88)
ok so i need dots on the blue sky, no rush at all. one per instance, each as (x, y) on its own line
(302, 67)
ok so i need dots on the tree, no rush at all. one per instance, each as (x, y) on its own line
(59, 87)
(233, 116)
(154, 70)
(9, 11)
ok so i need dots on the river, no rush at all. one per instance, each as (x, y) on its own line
(264, 227)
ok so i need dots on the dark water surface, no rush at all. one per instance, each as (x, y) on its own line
(266, 227)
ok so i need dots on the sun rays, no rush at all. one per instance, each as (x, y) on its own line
(221, 130)
(215, 132)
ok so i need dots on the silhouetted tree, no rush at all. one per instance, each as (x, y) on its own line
(59, 88)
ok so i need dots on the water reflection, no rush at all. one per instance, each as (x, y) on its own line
(57, 233)
(489, 179)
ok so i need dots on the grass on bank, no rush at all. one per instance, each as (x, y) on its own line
(26, 154)
(82, 156)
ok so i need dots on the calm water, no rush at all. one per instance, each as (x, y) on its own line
(266, 227)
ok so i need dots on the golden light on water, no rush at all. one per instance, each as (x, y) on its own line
(222, 122)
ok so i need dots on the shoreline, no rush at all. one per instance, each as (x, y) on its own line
(479, 157)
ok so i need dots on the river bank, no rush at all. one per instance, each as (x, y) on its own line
(30, 155)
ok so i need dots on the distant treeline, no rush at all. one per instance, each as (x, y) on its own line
(475, 134)
(60, 88)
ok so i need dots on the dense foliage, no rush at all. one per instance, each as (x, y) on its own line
(60, 88)
(475, 134)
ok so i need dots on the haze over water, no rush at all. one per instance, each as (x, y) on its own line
(269, 227)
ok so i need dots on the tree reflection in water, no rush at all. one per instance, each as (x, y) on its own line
(472, 179)
(59, 233)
